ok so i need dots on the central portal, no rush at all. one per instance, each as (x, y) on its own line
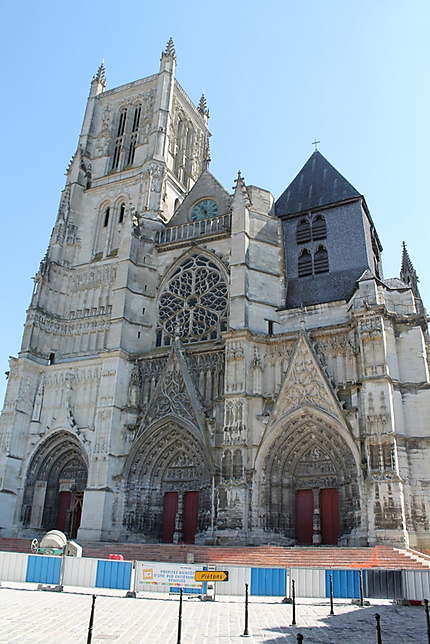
(168, 486)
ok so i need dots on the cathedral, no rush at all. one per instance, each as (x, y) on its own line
(201, 365)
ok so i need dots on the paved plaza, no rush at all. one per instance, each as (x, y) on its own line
(38, 617)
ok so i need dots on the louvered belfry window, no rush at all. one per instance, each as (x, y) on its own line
(305, 263)
(321, 260)
(319, 228)
(303, 231)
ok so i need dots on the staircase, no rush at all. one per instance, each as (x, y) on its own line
(268, 556)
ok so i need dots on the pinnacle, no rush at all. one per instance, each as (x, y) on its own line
(170, 48)
(100, 74)
(203, 105)
(407, 265)
(240, 187)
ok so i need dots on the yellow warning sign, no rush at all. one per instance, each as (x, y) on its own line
(211, 575)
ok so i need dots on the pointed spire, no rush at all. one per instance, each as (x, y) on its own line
(409, 276)
(100, 75)
(170, 48)
(240, 188)
(203, 106)
(407, 268)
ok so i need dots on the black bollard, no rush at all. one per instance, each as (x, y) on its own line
(90, 625)
(360, 572)
(245, 630)
(180, 617)
(331, 595)
(293, 593)
(378, 628)
(426, 604)
(299, 638)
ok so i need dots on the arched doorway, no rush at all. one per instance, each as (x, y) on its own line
(168, 486)
(55, 484)
(311, 484)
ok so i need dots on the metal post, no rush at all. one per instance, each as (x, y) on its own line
(180, 617)
(299, 638)
(426, 604)
(331, 594)
(293, 594)
(360, 572)
(90, 625)
(378, 628)
(245, 631)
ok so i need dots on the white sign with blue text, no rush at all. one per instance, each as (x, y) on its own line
(151, 576)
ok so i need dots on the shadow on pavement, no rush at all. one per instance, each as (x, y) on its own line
(399, 625)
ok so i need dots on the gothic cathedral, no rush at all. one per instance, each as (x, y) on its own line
(208, 366)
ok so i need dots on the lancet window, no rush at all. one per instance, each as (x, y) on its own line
(134, 134)
(119, 140)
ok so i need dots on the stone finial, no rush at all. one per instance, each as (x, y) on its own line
(170, 48)
(100, 75)
(240, 188)
(203, 106)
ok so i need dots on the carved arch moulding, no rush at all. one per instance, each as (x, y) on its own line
(308, 451)
(167, 458)
(59, 456)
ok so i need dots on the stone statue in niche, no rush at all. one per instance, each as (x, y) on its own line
(38, 401)
(134, 387)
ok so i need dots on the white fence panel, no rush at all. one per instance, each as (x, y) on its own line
(238, 576)
(13, 566)
(416, 584)
(310, 582)
(80, 571)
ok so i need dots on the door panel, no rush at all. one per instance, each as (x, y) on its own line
(304, 516)
(191, 510)
(64, 499)
(329, 513)
(170, 507)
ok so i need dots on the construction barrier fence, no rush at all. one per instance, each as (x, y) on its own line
(162, 577)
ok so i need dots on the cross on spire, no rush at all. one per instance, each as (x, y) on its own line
(315, 143)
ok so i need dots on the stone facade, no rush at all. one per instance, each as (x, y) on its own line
(180, 378)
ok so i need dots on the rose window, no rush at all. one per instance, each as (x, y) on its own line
(193, 304)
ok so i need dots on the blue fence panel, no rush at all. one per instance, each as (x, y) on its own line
(113, 574)
(346, 583)
(268, 581)
(43, 569)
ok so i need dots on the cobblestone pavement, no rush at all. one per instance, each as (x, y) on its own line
(36, 617)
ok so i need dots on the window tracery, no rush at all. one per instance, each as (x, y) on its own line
(193, 304)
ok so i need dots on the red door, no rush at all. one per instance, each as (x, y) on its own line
(170, 507)
(64, 499)
(191, 510)
(304, 516)
(329, 512)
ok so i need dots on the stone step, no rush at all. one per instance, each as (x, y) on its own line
(270, 556)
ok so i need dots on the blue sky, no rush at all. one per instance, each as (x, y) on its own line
(276, 74)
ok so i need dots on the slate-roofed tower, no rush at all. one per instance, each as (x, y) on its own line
(329, 236)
